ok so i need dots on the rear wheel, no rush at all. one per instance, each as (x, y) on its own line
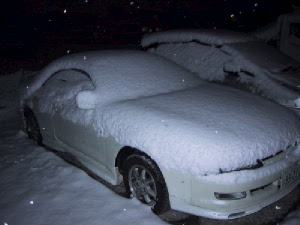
(144, 180)
(32, 127)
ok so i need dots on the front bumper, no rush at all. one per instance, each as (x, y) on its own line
(201, 201)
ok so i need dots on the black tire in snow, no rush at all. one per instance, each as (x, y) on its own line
(144, 180)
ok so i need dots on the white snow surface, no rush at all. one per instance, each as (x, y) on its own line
(205, 36)
(119, 75)
(38, 187)
(204, 60)
(267, 65)
(211, 126)
(191, 50)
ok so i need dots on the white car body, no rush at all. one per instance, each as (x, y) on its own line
(209, 141)
(232, 58)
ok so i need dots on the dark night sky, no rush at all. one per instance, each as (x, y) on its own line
(201, 12)
(35, 22)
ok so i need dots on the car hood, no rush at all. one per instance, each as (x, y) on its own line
(202, 130)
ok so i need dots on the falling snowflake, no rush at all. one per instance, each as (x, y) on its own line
(68, 51)
(31, 202)
(84, 57)
(131, 3)
(278, 207)
(256, 4)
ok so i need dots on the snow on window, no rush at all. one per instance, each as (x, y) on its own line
(59, 91)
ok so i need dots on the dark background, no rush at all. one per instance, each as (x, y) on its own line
(35, 29)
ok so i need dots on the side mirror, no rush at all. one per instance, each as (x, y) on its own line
(86, 100)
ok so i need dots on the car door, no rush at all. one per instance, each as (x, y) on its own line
(73, 126)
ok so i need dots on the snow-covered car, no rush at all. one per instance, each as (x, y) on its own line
(175, 140)
(232, 58)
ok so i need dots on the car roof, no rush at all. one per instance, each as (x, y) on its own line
(132, 73)
(205, 36)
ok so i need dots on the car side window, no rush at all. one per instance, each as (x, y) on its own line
(60, 90)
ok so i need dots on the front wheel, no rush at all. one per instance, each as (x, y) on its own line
(144, 180)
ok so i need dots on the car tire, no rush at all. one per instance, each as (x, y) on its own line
(32, 127)
(144, 180)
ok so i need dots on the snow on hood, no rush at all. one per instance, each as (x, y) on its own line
(201, 130)
(210, 37)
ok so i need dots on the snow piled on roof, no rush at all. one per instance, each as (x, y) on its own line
(206, 61)
(210, 37)
(119, 75)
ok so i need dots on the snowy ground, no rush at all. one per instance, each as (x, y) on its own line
(39, 188)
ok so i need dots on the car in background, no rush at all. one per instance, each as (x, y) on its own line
(232, 58)
(175, 140)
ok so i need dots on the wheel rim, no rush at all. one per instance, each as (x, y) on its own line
(142, 184)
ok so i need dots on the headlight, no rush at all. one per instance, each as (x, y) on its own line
(230, 196)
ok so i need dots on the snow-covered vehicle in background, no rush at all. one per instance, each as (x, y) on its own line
(232, 58)
(285, 31)
(175, 140)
